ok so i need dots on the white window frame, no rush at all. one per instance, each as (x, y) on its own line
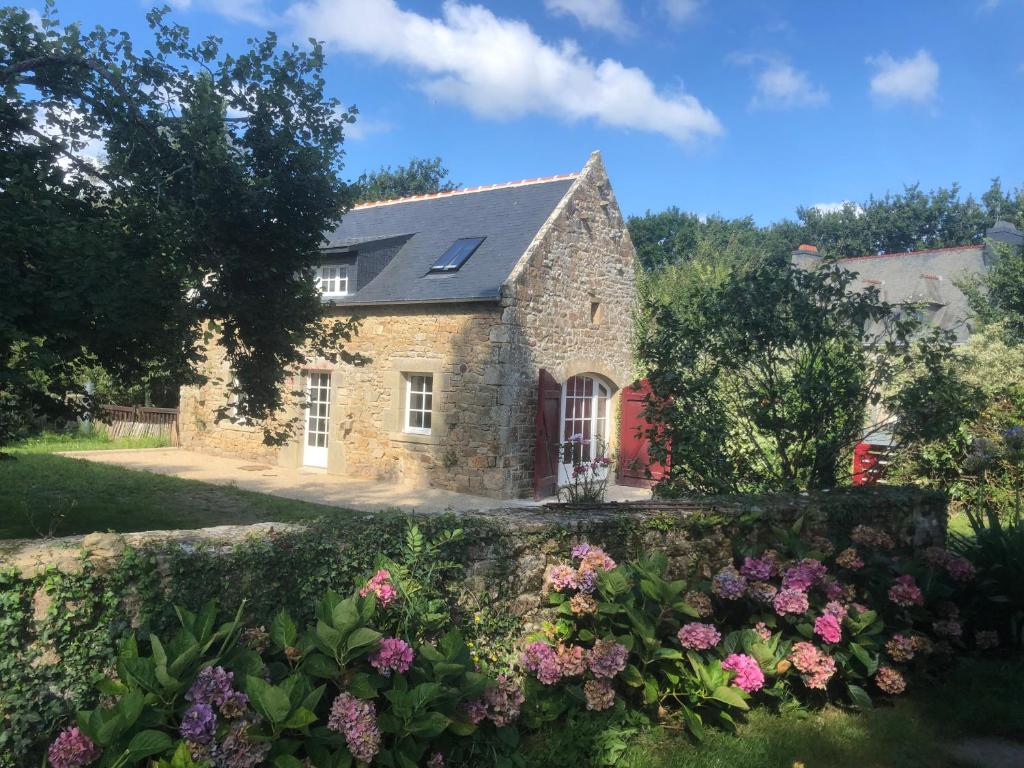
(236, 400)
(333, 279)
(427, 392)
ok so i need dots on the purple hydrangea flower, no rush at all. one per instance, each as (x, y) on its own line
(790, 601)
(72, 749)
(607, 658)
(542, 660)
(755, 568)
(357, 720)
(696, 636)
(728, 584)
(804, 574)
(199, 723)
(503, 701)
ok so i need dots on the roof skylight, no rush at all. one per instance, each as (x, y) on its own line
(456, 255)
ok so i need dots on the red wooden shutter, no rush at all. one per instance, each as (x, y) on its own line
(634, 461)
(545, 450)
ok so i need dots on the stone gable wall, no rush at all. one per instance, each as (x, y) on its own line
(583, 255)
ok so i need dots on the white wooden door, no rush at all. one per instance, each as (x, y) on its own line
(585, 401)
(318, 419)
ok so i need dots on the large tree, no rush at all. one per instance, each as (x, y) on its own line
(419, 177)
(762, 374)
(199, 221)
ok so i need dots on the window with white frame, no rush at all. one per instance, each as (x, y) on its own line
(236, 399)
(419, 402)
(332, 279)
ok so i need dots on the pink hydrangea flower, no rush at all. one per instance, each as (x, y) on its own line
(380, 585)
(728, 584)
(542, 660)
(890, 681)
(762, 631)
(561, 578)
(960, 568)
(436, 761)
(357, 720)
(762, 591)
(572, 661)
(72, 749)
(849, 559)
(905, 592)
(696, 636)
(948, 628)
(827, 628)
(748, 674)
(392, 655)
(900, 647)
(476, 710)
(607, 658)
(790, 601)
(869, 536)
(836, 609)
(816, 668)
(503, 700)
(804, 574)
(599, 694)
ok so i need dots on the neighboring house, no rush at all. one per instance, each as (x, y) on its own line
(927, 281)
(495, 322)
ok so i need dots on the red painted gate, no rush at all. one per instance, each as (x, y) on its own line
(545, 450)
(634, 460)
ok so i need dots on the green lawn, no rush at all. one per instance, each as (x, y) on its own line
(978, 699)
(44, 494)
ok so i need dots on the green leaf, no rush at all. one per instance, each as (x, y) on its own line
(727, 694)
(859, 697)
(271, 702)
(287, 761)
(870, 663)
(300, 718)
(362, 638)
(130, 707)
(147, 743)
(429, 725)
(283, 631)
(318, 665)
(631, 676)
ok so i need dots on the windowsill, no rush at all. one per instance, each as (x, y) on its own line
(415, 437)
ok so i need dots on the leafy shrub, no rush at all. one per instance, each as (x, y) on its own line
(796, 624)
(339, 693)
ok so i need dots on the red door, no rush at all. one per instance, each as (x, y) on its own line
(634, 466)
(545, 449)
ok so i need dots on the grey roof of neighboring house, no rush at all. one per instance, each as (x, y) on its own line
(925, 277)
(507, 216)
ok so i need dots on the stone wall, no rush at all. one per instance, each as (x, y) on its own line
(484, 358)
(508, 551)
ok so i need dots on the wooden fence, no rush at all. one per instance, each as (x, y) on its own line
(139, 421)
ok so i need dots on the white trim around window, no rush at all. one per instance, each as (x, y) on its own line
(333, 279)
(419, 403)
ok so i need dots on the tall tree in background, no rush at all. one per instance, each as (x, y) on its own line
(910, 220)
(200, 221)
(419, 177)
(762, 374)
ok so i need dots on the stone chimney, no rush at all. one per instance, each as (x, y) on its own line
(805, 257)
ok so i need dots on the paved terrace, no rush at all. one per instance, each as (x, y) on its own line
(313, 485)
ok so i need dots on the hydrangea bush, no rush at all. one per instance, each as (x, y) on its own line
(345, 692)
(803, 621)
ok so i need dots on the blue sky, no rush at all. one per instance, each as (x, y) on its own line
(716, 106)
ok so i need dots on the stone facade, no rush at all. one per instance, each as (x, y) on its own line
(567, 307)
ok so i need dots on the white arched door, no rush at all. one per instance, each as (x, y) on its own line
(585, 410)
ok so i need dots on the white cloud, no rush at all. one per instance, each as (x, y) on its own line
(500, 68)
(364, 127)
(914, 79)
(608, 15)
(34, 17)
(681, 10)
(779, 85)
(249, 11)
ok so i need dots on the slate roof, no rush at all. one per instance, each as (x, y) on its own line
(925, 277)
(507, 216)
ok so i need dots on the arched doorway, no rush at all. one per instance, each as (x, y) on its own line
(585, 420)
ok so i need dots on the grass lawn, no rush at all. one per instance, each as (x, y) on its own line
(977, 700)
(45, 494)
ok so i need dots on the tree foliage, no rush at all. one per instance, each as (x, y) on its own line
(910, 220)
(420, 177)
(762, 374)
(200, 221)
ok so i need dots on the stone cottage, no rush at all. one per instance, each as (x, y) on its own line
(495, 322)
